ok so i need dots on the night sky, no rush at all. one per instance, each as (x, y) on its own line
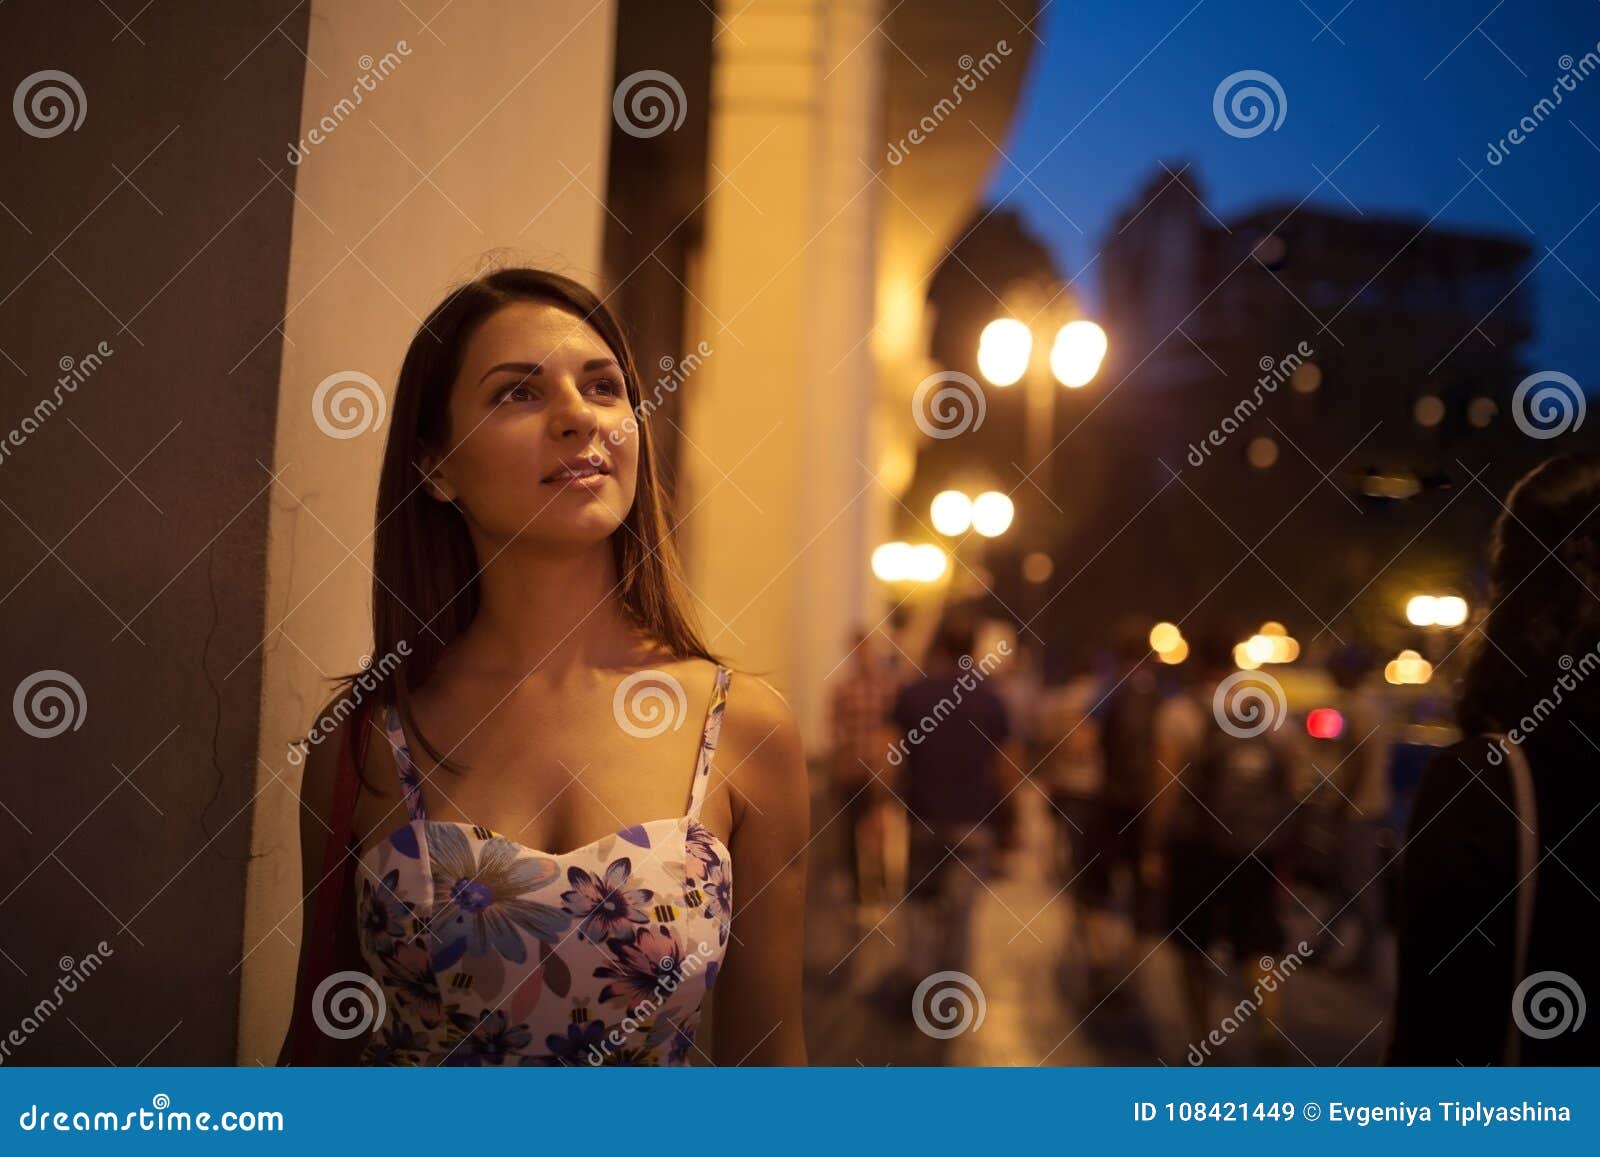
(1117, 86)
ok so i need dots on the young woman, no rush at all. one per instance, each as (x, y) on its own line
(562, 783)
(1478, 847)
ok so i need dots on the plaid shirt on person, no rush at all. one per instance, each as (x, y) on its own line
(859, 713)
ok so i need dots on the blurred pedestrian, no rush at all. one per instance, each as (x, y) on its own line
(1346, 807)
(957, 759)
(1131, 780)
(1068, 736)
(859, 748)
(1222, 827)
(1501, 868)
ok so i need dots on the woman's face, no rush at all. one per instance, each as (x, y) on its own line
(542, 446)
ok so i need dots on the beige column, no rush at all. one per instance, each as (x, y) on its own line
(486, 130)
(777, 468)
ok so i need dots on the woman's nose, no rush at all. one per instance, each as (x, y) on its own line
(572, 415)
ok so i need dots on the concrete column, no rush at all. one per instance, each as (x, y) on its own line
(488, 131)
(779, 431)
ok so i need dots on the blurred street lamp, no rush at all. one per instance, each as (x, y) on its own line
(1006, 356)
(1075, 358)
(1436, 610)
(902, 562)
(992, 513)
(1004, 350)
(951, 512)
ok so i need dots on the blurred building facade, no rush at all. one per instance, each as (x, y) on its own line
(1292, 395)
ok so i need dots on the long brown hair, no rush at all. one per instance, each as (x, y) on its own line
(424, 570)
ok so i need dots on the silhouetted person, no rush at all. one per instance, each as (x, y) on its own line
(1224, 826)
(1473, 989)
(956, 757)
(860, 737)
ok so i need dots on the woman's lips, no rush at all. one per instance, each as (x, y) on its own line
(577, 481)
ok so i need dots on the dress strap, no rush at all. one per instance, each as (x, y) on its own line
(410, 779)
(708, 740)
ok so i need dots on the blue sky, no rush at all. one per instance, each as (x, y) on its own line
(1436, 91)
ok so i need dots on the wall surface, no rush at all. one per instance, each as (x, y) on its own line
(133, 512)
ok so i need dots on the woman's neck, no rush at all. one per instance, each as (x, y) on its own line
(547, 611)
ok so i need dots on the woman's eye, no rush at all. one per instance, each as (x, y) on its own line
(517, 392)
(609, 386)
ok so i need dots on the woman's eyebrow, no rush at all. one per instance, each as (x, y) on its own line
(533, 369)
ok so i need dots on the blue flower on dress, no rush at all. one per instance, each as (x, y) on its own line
(382, 913)
(484, 1039)
(606, 907)
(642, 967)
(479, 900)
(575, 1048)
(719, 900)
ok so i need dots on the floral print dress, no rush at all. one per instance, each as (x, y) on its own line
(492, 953)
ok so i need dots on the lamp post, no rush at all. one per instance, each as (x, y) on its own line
(1007, 354)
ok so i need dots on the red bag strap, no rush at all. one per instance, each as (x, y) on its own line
(335, 877)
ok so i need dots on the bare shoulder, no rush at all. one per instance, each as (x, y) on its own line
(328, 736)
(761, 741)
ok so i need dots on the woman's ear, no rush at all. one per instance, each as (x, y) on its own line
(435, 477)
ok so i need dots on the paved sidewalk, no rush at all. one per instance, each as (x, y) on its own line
(1026, 962)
